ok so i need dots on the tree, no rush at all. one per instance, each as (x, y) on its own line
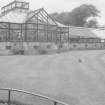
(92, 24)
(62, 17)
(78, 16)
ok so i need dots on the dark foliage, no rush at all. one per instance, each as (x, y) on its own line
(78, 16)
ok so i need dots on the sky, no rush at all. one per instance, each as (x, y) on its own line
(52, 6)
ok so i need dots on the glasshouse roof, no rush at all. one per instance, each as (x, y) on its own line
(18, 12)
(86, 32)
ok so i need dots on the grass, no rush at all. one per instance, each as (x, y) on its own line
(77, 77)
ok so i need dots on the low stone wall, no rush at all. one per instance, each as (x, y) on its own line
(33, 48)
(83, 46)
(28, 48)
(86, 46)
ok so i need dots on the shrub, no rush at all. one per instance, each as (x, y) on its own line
(42, 52)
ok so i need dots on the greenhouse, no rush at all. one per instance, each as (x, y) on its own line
(17, 23)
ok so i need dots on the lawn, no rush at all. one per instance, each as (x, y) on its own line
(76, 77)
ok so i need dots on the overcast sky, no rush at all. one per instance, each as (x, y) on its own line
(63, 5)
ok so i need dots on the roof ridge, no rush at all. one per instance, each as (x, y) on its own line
(85, 28)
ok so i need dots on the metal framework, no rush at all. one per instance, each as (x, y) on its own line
(15, 5)
(20, 97)
(86, 40)
(32, 32)
(39, 27)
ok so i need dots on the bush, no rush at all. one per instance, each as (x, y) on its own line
(49, 46)
(42, 52)
(8, 47)
(36, 47)
(18, 52)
